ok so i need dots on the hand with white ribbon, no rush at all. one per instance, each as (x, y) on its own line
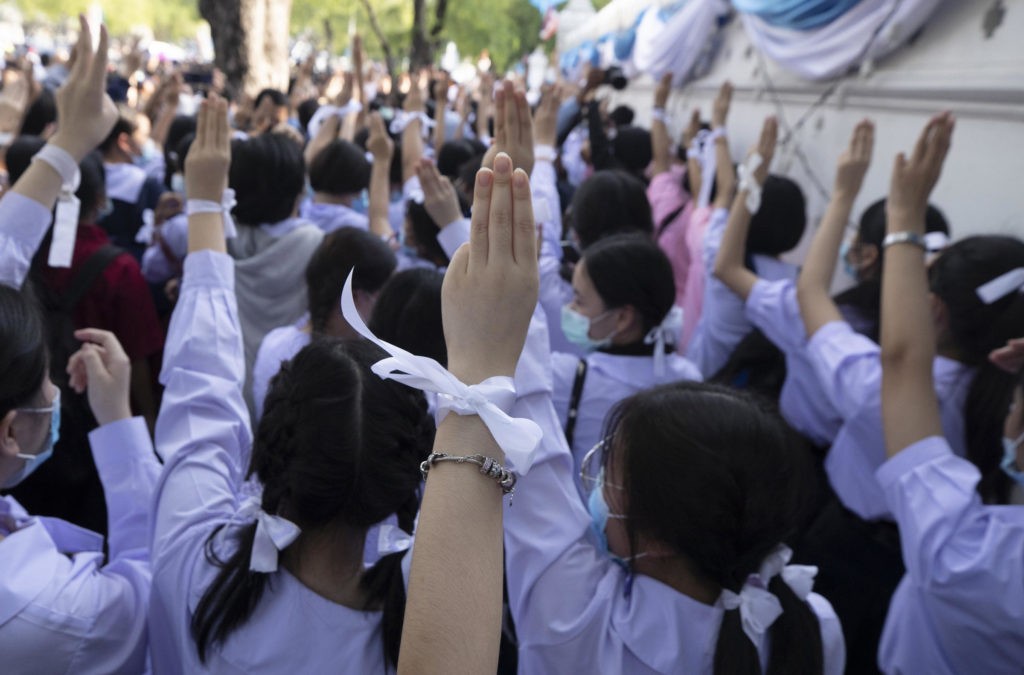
(758, 607)
(666, 333)
(754, 171)
(206, 178)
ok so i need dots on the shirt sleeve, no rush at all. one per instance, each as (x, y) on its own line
(957, 549)
(772, 307)
(23, 224)
(723, 323)
(453, 235)
(547, 208)
(203, 432)
(848, 366)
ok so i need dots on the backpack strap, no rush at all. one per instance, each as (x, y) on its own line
(574, 400)
(88, 275)
(667, 220)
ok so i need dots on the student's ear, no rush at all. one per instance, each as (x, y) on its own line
(8, 444)
(868, 256)
(627, 316)
(940, 314)
(124, 143)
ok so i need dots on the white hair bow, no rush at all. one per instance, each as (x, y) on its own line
(665, 333)
(392, 539)
(759, 608)
(273, 535)
(491, 399)
(1002, 286)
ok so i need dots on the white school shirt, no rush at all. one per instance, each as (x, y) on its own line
(609, 379)
(156, 267)
(569, 600)
(23, 224)
(960, 606)
(204, 436)
(62, 610)
(772, 307)
(849, 370)
(279, 345)
(723, 322)
(331, 217)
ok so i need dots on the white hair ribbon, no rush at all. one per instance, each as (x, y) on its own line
(273, 535)
(227, 203)
(759, 608)
(490, 399)
(708, 162)
(936, 241)
(392, 539)
(665, 333)
(1002, 286)
(749, 183)
(405, 118)
(325, 112)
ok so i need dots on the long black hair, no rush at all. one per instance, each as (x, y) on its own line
(716, 475)
(336, 445)
(975, 329)
(23, 360)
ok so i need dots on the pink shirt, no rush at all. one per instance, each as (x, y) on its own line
(693, 292)
(667, 196)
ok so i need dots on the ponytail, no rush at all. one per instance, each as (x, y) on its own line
(796, 647)
(735, 654)
(988, 400)
(232, 597)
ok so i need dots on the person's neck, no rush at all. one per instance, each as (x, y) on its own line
(329, 562)
(116, 157)
(629, 336)
(675, 572)
(325, 198)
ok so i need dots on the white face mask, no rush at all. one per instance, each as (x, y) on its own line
(178, 183)
(1009, 463)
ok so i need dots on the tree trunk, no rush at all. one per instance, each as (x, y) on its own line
(389, 59)
(421, 52)
(250, 41)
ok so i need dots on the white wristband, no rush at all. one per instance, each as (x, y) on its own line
(224, 207)
(63, 163)
(544, 153)
(659, 114)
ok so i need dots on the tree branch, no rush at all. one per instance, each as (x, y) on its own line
(389, 60)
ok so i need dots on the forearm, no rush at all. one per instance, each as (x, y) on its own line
(729, 263)
(380, 187)
(910, 410)
(725, 174)
(162, 124)
(455, 582)
(412, 149)
(206, 231)
(660, 143)
(439, 126)
(816, 305)
(327, 132)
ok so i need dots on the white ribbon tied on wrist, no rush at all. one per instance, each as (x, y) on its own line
(273, 535)
(666, 333)
(490, 399)
(749, 183)
(759, 608)
(405, 118)
(1002, 286)
(227, 203)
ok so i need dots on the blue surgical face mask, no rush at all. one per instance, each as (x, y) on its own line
(361, 204)
(33, 462)
(178, 183)
(848, 267)
(1009, 462)
(577, 329)
(599, 515)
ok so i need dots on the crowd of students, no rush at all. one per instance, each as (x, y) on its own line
(488, 387)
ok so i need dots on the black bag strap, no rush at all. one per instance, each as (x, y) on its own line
(667, 220)
(87, 276)
(574, 400)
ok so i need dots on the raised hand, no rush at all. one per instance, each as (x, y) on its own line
(414, 99)
(854, 162)
(513, 129)
(209, 157)
(545, 121)
(720, 109)
(490, 289)
(85, 113)
(914, 177)
(439, 197)
(765, 147)
(378, 143)
(102, 368)
(692, 128)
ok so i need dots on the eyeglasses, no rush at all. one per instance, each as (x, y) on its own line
(47, 409)
(592, 468)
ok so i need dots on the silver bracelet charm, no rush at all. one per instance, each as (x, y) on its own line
(488, 467)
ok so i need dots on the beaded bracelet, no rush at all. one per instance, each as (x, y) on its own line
(488, 466)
